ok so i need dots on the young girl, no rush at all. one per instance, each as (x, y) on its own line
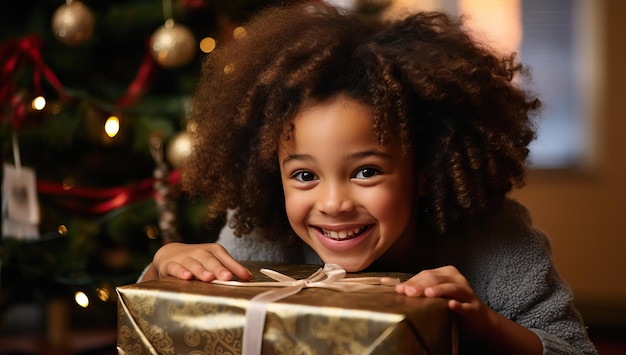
(382, 146)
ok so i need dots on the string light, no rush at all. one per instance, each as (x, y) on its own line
(239, 32)
(38, 103)
(68, 183)
(192, 127)
(112, 126)
(62, 229)
(103, 294)
(207, 45)
(152, 232)
(81, 299)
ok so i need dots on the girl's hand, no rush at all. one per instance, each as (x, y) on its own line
(448, 282)
(497, 333)
(205, 262)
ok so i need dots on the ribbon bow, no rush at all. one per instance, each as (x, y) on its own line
(331, 276)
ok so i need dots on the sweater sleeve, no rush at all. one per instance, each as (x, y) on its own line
(251, 247)
(511, 270)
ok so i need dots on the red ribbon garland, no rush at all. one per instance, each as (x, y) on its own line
(16, 52)
(13, 55)
(114, 197)
(139, 84)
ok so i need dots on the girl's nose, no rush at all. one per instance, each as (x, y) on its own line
(334, 199)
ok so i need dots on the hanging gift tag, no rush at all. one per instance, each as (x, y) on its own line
(20, 208)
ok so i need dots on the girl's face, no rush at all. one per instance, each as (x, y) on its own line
(346, 196)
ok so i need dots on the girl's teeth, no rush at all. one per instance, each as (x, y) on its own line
(341, 234)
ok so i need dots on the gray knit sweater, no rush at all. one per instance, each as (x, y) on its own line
(507, 262)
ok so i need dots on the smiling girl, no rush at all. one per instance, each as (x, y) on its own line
(380, 146)
(346, 196)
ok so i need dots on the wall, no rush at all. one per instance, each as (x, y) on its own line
(584, 212)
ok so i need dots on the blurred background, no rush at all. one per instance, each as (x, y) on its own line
(94, 97)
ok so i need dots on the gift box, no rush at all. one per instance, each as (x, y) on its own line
(172, 316)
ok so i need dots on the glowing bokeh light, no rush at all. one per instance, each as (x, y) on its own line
(112, 126)
(39, 103)
(62, 229)
(103, 294)
(207, 44)
(81, 299)
(239, 32)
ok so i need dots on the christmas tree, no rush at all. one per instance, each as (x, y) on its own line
(94, 98)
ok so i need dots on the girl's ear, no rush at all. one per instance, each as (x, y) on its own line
(422, 191)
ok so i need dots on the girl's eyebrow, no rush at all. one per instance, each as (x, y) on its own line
(299, 157)
(354, 156)
(369, 153)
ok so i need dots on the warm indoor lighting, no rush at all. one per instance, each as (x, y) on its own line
(498, 22)
(62, 229)
(192, 127)
(81, 299)
(39, 103)
(239, 32)
(207, 45)
(68, 183)
(103, 294)
(152, 232)
(112, 126)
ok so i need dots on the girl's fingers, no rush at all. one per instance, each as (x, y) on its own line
(459, 307)
(445, 281)
(204, 262)
(410, 289)
(227, 266)
(237, 269)
(455, 291)
(199, 270)
(177, 270)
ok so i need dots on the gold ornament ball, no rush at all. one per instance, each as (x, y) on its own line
(73, 24)
(178, 149)
(173, 45)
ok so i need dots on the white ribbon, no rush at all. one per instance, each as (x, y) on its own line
(331, 276)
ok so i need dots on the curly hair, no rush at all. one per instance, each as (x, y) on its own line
(449, 100)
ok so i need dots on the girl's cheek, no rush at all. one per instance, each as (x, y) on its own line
(294, 211)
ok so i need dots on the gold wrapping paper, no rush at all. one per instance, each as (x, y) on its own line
(171, 316)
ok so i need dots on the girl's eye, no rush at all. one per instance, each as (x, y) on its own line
(366, 173)
(303, 175)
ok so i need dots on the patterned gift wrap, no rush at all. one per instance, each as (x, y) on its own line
(171, 316)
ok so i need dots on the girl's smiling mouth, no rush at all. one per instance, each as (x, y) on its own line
(344, 234)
